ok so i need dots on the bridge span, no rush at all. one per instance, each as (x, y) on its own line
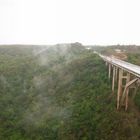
(126, 75)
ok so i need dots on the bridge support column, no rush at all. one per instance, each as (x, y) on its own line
(126, 91)
(124, 84)
(121, 84)
(116, 74)
(119, 87)
(121, 73)
(113, 78)
(109, 73)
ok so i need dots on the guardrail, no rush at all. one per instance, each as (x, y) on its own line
(131, 68)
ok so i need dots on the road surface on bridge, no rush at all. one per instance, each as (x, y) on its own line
(134, 69)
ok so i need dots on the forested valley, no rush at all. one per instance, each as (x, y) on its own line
(60, 92)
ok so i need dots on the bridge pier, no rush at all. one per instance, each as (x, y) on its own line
(119, 87)
(129, 85)
(116, 74)
(124, 84)
(126, 74)
(113, 78)
(109, 73)
(122, 91)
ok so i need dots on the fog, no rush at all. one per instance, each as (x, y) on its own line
(57, 21)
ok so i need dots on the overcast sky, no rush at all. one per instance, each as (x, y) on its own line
(63, 21)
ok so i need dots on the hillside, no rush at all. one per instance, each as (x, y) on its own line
(129, 53)
(62, 93)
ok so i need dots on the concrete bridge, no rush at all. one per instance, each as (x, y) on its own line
(127, 77)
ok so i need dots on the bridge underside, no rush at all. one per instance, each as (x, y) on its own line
(125, 82)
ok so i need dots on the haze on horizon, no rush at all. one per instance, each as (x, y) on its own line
(102, 22)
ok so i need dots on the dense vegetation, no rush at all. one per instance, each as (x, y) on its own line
(134, 58)
(62, 93)
(132, 49)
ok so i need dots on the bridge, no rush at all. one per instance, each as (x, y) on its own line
(127, 77)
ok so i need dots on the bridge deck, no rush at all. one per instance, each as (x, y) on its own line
(134, 69)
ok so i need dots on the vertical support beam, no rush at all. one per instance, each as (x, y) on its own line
(109, 73)
(127, 91)
(126, 99)
(128, 77)
(119, 87)
(116, 74)
(113, 79)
